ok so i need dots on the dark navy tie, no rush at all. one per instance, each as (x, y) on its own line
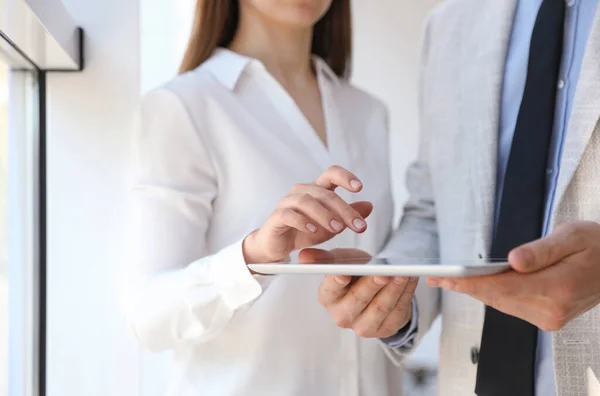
(508, 345)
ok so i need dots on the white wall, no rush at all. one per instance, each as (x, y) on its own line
(387, 47)
(387, 43)
(90, 352)
(165, 30)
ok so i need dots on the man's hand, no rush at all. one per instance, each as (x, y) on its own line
(553, 280)
(374, 307)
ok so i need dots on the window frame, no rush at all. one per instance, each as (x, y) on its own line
(37, 37)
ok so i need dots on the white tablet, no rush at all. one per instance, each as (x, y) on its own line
(386, 267)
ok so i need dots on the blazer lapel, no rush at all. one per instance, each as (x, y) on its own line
(483, 63)
(584, 115)
(576, 369)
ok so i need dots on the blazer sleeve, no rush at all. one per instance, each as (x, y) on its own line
(175, 292)
(417, 234)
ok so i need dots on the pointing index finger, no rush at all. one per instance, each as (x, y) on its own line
(336, 176)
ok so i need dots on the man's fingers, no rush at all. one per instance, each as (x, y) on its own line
(479, 287)
(491, 290)
(502, 292)
(401, 313)
(409, 292)
(567, 240)
(344, 299)
(332, 289)
(336, 176)
(381, 307)
(360, 295)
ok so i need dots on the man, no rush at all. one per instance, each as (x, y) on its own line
(508, 166)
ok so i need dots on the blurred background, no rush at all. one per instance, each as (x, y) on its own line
(62, 252)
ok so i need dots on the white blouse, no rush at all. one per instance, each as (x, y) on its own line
(216, 149)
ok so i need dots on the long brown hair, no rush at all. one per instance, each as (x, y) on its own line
(216, 23)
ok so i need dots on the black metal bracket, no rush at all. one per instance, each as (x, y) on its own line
(80, 60)
(42, 235)
(42, 208)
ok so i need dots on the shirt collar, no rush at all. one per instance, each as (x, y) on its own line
(324, 70)
(228, 66)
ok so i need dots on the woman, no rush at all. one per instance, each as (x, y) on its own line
(263, 103)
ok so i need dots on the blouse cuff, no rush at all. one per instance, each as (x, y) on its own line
(231, 276)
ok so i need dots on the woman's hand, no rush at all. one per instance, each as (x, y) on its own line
(309, 215)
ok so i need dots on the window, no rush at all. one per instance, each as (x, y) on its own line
(3, 228)
(28, 51)
(18, 225)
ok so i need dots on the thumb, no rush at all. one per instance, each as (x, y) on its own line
(545, 252)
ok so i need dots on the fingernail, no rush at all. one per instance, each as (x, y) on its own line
(358, 223)
(340, 281)
(400, 280)
(311, 227)
(355, 184)
(380, 281)
(336, 225)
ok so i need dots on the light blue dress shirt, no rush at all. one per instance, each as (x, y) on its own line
(579, 19)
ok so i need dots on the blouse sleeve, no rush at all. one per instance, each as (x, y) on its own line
(176, 293)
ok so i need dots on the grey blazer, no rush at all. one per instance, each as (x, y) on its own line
(452, 183)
